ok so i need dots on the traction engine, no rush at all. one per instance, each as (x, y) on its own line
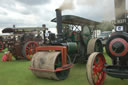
(22, 42)
(72, 45)
(117, 50)
(1, 43)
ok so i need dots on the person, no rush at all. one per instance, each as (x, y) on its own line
(7, 56)
(4, 57)
(45, 33)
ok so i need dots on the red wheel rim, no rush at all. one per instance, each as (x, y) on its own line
(118, 40)
(98, 73)
(1, 46)
(30, 49)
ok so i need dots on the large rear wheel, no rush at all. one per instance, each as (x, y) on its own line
(95, 65)
(29, 49)
(94, 45)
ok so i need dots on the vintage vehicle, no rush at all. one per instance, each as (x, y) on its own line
(104, 36)
(3, 40)
(73, 45)
(1, 43)
(22, 41)
(117, 50)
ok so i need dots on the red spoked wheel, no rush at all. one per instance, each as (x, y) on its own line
(1, 46)
(29, 49)
(94, 69)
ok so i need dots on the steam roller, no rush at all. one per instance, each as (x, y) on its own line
(51, 62)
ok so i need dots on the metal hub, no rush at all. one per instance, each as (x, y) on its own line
(118, 47)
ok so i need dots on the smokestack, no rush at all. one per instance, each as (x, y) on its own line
(14, 26)
(119, 9)
(59, 21)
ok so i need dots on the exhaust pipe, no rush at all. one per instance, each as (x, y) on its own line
(120, 9)
(120, 14)
(59, 22)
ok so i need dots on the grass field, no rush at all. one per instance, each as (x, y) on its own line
(17, 73)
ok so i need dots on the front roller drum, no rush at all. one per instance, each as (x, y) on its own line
(94, 69)
(47, 65)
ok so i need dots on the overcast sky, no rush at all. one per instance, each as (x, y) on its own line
(38, 12)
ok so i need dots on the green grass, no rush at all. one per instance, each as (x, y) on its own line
(17, 73)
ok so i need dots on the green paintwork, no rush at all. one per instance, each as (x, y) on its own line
(86, 34)
(72, 47)
(77, 32)
(61, 74)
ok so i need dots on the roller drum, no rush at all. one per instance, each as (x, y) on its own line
(49, 61)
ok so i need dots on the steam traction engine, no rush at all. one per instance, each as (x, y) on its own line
(1, 43)
(117, 50)
(22, 42)
(73, 44)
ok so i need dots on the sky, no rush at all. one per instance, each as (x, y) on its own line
(38, 12)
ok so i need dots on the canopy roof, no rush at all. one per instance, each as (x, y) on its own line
(76, 20)
(7, 30)
(20, 29)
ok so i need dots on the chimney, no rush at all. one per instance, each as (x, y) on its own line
(120, 9)
(14, 26)
(59, 22)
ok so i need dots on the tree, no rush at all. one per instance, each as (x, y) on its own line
(106, 26)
